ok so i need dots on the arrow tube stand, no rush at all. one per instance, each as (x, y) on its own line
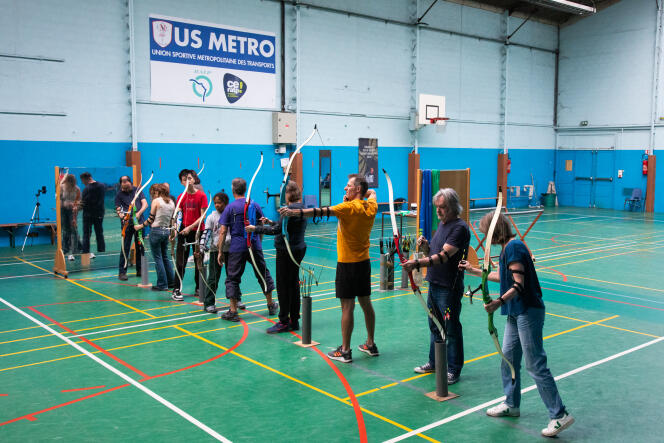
(145, 282)
(441, 393)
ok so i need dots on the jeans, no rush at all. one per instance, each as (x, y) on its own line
(159, 246)
(182, 257)
(88, 223)
(70, 240)
(523, 334)
(444, 299)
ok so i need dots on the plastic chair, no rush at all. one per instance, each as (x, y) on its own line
(635, 201)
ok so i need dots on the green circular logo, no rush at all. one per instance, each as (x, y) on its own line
(202, 86)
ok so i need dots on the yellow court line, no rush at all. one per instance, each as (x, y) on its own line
(596, 251)
(592, 242)
(303, 383)
(615, 283)
(90, 289)
(85, 319)
(484, 356)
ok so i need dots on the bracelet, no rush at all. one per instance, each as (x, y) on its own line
(502, 301)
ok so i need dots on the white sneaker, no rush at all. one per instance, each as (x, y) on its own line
(92, 255)
(557, 425)
(71, 258)
(502, 410)
(190, 259)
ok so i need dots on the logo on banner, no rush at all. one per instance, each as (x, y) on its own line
(234, 87)
(202, 86)
(162, 32)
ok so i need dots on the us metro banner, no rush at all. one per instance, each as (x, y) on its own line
(204, 63)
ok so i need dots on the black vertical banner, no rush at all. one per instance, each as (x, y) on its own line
(368, 160)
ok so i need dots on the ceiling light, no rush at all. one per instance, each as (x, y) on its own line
(566, 5)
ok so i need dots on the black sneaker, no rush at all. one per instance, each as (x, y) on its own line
(339, 355)
(371, 350)
(157, 288)
(241, 305)
(212, 309)
(277, 328)
(138, 274)
(177, 295)
(294, 325)
(122, 277)
(273, 309)
(231, 316)
(451, 378)
(425, 368)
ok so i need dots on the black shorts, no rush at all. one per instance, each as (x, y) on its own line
(353, 279)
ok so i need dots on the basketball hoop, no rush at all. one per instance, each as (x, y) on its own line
(438, 120)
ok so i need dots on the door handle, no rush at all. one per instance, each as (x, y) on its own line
(604, 179)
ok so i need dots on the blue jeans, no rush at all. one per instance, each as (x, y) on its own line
(523, 334)
(159, 247)
(444, 298)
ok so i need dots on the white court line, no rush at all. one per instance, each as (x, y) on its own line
(565, 285)
(26, 275)
(577, 251)
(523, 391)
(124, 376)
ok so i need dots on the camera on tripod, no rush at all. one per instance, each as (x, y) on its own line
(40, 191)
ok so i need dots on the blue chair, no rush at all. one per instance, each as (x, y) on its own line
(635, 201)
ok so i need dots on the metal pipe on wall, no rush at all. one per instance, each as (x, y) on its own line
(132, 76)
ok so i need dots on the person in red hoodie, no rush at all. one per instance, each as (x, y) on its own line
(193, 203)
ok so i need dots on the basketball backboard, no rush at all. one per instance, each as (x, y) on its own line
(431, 109)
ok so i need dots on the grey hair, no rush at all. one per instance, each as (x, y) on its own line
(451, 200)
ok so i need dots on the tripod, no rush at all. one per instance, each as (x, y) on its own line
(35, 215)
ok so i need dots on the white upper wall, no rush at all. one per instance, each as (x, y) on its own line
(606, 66)
(350, 67)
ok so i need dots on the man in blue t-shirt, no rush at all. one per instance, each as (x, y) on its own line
(448, 246)
(233, 219)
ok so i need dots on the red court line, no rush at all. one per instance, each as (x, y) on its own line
(356, 405)
(604, 299)
(32, 416)
(4, 395)
(556, 271)
(83, 389)
(94, 345)
(232, 348)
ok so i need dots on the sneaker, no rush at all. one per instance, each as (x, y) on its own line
(558, 424)
(231, 316)
(451, 378)
(502, 410)
(138, 274)
(157, 288)
(294, 325)
(92, 255)
(241, 305)
(278, 327)
(71, 258)
(371, 350)
(212, 309)
(339, 355)
(425, 368)
(177, 295)
(122, 277)
(273, 309)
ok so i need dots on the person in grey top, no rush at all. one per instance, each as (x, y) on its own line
(208, 243)
(70, 197)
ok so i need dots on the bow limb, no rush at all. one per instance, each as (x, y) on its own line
(486, 270)
(402, 259)
(247, 204)
(201, 171)
(282, 197)
(175, 230)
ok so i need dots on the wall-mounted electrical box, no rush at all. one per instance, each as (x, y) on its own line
(284, 128)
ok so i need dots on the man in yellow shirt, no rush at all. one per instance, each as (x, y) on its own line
(356, 217)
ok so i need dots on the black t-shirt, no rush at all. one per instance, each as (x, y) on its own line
(123, 199)
(456, 233)
(92, 199)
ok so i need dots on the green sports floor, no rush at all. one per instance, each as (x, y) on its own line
(157, 370)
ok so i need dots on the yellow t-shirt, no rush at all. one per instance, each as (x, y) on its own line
(356, 218)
